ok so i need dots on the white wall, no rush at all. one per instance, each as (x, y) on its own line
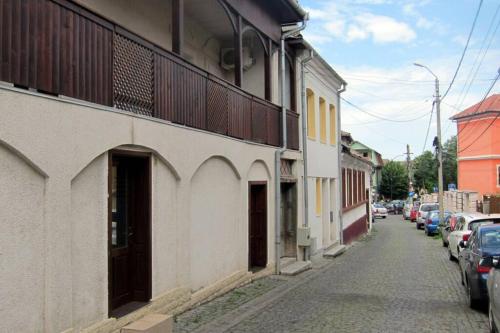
(355, 214)
(216, 224)
(56, 250)
(22, 199)
(322, 158)
(89, 240)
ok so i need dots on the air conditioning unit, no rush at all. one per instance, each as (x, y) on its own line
(227, 58)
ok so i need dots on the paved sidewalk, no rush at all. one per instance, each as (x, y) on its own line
(398, 280)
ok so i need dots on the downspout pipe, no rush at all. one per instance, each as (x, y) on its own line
(339, 144)
(305, 184)
(279, 152)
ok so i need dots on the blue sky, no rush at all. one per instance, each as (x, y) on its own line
(373, 45)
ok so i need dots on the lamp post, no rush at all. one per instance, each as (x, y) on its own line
(437, 101)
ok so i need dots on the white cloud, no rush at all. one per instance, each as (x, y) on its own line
(335, 28)
(351, 21)
(385, 29)
(355, 32)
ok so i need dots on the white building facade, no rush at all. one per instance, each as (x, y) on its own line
(134, 168)
(322, 90)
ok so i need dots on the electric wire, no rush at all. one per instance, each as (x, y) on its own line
(477, 108)
(480, 63)
(480, 103)
(492, 37)
(380, 117)
(428, 128)
(465, 50)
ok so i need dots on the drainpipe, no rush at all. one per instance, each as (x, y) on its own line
(304, 141)
(339, 144)
(280, 151)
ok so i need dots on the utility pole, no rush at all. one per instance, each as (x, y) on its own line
(437, 101)
(440, 153)
(408, 168)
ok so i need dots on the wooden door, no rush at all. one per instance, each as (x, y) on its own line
(257, 226)
(129, 230)
(288, 229)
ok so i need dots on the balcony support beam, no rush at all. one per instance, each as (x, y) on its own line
(178, 26)
(238, 52)
(269, 71)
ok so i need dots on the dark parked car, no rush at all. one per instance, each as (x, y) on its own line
(397, 206)
(476, 260)
(493, 284)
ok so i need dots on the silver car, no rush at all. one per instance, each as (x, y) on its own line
(423, 210)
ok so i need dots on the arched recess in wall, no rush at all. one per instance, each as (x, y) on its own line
(216, 231)
(254, 70)
(258, 171)
(289, 82)
(322, 120)
(133, 148)
(311, 114)
(209, 27)
(333, 125)
(22, 207)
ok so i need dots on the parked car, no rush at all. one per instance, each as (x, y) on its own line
(492, 285)
(476, 259)
(432, 222)
(414, 211)
(407, 207)
(389, 206)
(447, 226)
(422, 213)
(466, 223)
(397, 206)
(379, 210)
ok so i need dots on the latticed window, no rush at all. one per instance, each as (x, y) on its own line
(133, 68)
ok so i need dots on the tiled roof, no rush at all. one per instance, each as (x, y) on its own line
(491, 104)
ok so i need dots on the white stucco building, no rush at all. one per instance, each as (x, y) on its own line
(356, 192)
(137, 158)
(323, 87)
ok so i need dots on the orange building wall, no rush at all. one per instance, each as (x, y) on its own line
(486, 144)
(479, 174)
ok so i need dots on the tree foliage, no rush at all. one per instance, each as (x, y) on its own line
(394, 184)
(425, 167)
(450, 162)
(425, 171)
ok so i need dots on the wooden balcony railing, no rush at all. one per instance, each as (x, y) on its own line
(57, 47)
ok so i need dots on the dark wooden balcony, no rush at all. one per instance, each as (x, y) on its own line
(59, 48)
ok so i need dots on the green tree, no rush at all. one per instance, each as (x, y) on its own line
(394, 182)
(450, 162)
(425, 171)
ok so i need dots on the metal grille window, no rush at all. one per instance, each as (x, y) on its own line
(133, 76)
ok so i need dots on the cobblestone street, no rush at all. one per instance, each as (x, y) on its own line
(397, 280)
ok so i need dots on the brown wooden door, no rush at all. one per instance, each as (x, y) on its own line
(288, 229)
(257, 226)
(129, 230)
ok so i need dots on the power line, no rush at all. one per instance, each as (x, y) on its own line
(480, 104)
(469, 85)
(486, 129)
(480, 135)
(380, 117)
(465, 50)
(428, 128)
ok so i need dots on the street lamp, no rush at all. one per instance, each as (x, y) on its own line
(437, 101)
